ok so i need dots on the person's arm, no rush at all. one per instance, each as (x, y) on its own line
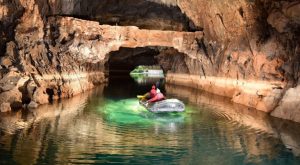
(153, 99)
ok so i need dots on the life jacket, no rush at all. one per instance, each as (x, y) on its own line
(153, 92)
(158, 97)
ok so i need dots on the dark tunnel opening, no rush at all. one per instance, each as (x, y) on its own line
(120, 63)
(123, 61)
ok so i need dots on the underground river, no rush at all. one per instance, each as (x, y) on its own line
(107, 125)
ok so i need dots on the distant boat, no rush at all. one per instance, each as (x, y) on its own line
(150, 71)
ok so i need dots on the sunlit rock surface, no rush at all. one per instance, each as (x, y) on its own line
(261, 95)
(289, 105)
(250, 40)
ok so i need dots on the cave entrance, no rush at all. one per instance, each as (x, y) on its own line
(120, 63)
(123, 61)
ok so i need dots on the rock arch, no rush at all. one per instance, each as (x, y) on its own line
(100, 40)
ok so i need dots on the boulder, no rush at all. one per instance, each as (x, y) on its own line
(278, 21)
(291, 10)
(5, 61)
(13, 97)
(9, 81)
(5, 107)
(32, 105)
(40, 96)
(289, 106)
(10, 86)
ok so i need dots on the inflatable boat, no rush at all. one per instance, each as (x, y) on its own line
(164, 106)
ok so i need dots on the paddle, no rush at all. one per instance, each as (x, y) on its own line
(140, 96)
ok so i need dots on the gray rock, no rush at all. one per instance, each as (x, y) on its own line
(288, 107)
(9, 81)
(33, 105)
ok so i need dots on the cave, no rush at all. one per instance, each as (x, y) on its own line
(231, 67)
(120, 63)
(125, 60)
(119, 66)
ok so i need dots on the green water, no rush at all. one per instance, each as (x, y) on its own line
(107, 125)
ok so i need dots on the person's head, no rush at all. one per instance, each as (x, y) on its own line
(153, 87)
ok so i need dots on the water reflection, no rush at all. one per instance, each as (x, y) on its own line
(129, 111)
(33, 137)
(260, 122)
(145, 79)
(91, 128)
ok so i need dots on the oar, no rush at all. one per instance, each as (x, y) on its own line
(140, 96)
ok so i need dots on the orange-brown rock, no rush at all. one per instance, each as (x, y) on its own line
(261, 95)
(5, 107)
(249, 41)
(99, 40)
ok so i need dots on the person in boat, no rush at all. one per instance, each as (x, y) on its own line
(151, 94)
(158, 97)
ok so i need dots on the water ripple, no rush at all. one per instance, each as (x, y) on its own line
(100, 130)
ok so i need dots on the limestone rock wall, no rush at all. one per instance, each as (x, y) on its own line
(52, 57)
(10, 11)
(251, 49)
(244, 40)
(35, 69)
(249, 41)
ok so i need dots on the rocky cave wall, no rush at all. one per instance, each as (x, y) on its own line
(249, 50)
(49, 54)
(252, 53)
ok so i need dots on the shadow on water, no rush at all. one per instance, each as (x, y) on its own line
(107, 125)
